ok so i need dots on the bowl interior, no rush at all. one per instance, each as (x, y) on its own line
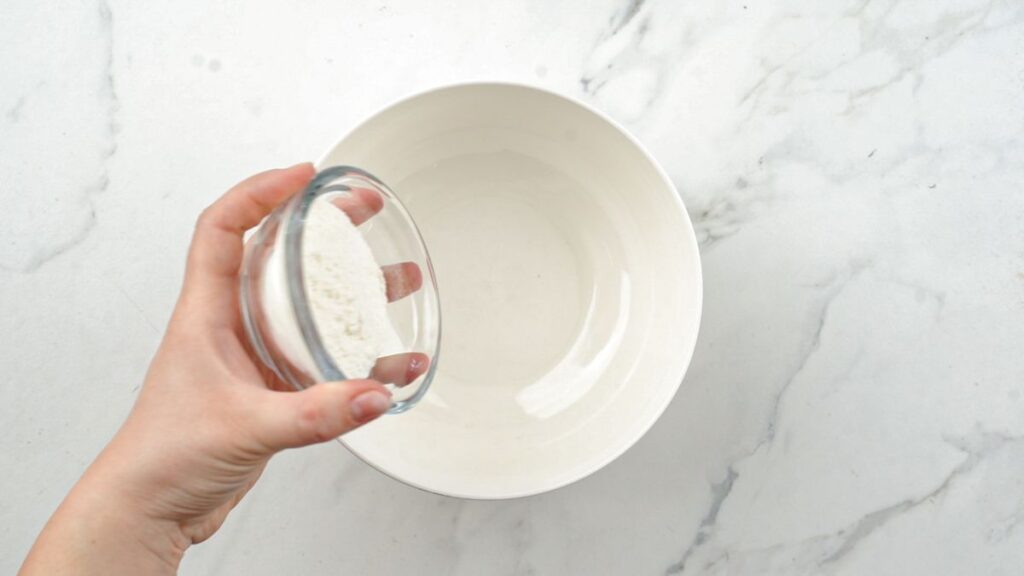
(569, 280)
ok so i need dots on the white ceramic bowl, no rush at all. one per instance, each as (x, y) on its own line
(570, 287)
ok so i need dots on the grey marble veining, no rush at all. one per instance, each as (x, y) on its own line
(853, 170)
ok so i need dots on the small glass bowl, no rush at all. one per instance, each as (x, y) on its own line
(276, 307)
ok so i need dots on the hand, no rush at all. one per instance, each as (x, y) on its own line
(209, 415)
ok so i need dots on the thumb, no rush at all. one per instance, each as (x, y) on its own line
(319, 413)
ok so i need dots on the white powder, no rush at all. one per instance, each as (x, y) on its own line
(346, 291)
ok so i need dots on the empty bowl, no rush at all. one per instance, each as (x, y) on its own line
(569, 278)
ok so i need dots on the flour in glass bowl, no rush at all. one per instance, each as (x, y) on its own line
(346, 291)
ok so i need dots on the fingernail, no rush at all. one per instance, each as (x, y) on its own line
(417, 366)
(369, 405)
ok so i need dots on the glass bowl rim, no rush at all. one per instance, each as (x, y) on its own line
(293, 223)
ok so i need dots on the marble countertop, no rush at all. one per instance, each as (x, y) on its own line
(854, 173)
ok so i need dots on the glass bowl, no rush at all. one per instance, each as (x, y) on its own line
(314, 310)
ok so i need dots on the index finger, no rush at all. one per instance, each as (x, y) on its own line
(359, 204)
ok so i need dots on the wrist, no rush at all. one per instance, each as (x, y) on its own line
(104, 508)
(115, 493)
(100, 529)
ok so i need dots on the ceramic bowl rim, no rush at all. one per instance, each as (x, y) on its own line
(691, 241)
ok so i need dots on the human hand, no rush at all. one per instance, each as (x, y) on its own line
(209, 415)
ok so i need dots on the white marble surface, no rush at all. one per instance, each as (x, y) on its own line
(853, 169)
